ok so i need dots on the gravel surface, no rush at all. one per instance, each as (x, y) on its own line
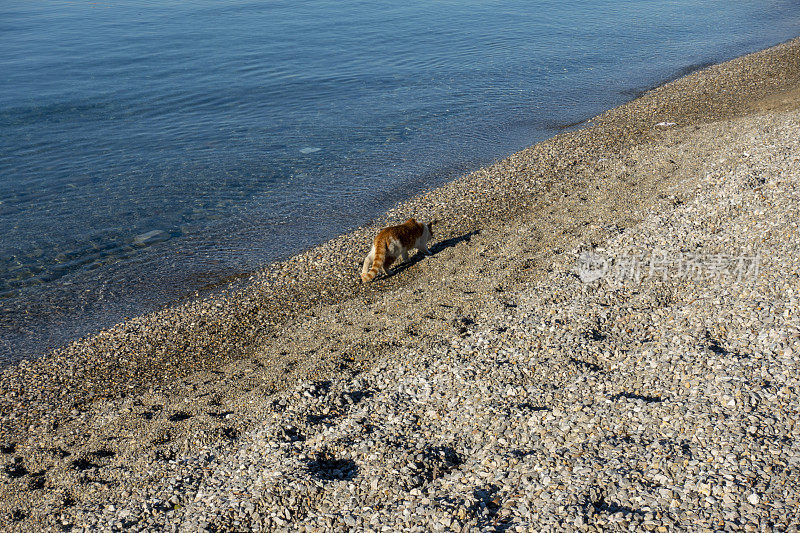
(606, 337)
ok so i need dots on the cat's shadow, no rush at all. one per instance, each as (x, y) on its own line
(435, 249)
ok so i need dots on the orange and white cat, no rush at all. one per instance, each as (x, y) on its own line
(394, 242)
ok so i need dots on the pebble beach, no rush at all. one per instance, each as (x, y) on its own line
(606, 338)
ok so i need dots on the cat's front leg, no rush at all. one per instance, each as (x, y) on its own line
(368, 261)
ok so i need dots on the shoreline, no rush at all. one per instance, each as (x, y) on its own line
(232, 279)
(290, 325)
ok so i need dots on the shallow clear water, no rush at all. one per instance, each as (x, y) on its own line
(150, 148)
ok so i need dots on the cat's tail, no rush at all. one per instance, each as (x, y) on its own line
(378, 256)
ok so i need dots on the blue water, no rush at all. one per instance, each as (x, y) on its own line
(149, 148)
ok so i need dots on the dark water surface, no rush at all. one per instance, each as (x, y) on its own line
(150, 148)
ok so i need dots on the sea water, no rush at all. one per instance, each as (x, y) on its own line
(151, 148)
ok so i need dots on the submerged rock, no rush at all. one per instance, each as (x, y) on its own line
(151, 237)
